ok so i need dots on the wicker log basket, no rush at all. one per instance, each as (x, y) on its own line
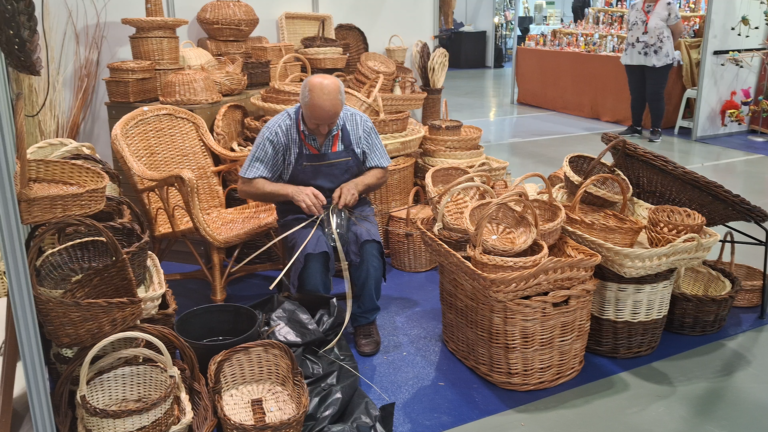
(579, 167)
(444, 126)
(628, 314)
(189, 87)
(406, 246)
(751, 278)
(701, 300)
(534, 343)
(397, 53)
(258, 386)
(49, 189)
(228, 19)
(609, 226)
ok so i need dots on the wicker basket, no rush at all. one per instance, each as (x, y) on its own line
(113, 188)
(163, 51)
(397, 53)
(153, 391)
(406, 245)
(365, 100)
(556, 178)
(258, 386)
(229, 83)
(451, 210)
(277, 74)
(579, 167)
(468, 140)
(609, 226)
(503, 228)
(327, 62)
(166, 311)
(628, 314)
(272, 52)
(551, 213)
(440, 179)
(295, 26)
(387, 124)
(162, 73)
(48, 189)
(354, 43)
(496, 168)
(394, 193)
(58, 148)
(751, 278)
(268, 109)
(666, 224)
(228, 19)
(660, 181)
(154, 8)
(131, 69)
(402, 102)
(406, 142)
(444, 126)
(320, 40)
(194, 57)
(528, 259)
(258, 72)
(700, 314)
(532, 343)
(223, 48)
(431, 108)
(131, 90)
(189, 87)
(152, 291)
(155, 25)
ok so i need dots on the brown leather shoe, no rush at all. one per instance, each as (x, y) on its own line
(367, 339)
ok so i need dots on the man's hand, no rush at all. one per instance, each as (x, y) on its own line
(309, 199)
(346, 195)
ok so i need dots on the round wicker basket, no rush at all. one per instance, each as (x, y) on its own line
(189, 87)
(228, 19)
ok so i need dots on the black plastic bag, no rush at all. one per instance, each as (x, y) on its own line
(336, 401)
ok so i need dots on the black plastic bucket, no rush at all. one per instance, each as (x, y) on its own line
(214, 328)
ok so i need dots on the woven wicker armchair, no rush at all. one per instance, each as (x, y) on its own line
(165, 152)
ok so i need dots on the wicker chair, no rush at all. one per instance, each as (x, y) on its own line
(165, 152)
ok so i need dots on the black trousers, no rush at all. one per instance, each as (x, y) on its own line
(646, 86)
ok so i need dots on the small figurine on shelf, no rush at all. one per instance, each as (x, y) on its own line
(580, 42)
(595, 42)
(745, 22)
(728, 107)
(761, 107)
(609, 44)
(601, 47)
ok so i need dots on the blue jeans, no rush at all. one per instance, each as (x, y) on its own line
(366, 278)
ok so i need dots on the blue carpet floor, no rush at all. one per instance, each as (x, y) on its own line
(739, 142)
(434, 391)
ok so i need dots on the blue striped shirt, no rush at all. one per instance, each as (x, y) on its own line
(277, 145)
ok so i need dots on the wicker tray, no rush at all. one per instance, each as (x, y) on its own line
(404, 143)
(295, 26)
(355, 43)
(661, 181)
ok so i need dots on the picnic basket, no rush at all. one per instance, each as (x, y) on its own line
(578, 167)
(397, 53)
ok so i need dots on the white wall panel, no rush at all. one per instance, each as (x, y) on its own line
(716, 82)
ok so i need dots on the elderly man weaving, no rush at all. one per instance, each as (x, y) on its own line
(317, 154)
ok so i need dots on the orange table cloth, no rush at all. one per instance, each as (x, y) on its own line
(586, 85)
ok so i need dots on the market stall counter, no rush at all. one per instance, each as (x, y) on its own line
(586, 85)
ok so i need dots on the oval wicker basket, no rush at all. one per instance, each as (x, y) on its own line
(406, 142)
(500, 227)
(386, 124)
(528, 259)
(113, 188)
(148, 24)
(131, 90)
(550, 212)
(694, 314)
(131, 69)
(193, 57)
(319, 40)
(445, 127)
(468, 140)
(666, 224)
(578, 167)
(189, 87)
(268, 109)
(397, 53)
(609, 226)
(273, 52)
(751, 293)
(228, 19)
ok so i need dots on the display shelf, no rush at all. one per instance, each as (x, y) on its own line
(585, 32)
(692, 15)
(609, 10)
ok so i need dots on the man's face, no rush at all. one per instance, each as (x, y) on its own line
(321, 115)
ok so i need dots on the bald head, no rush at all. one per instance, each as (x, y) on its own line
(322, 99)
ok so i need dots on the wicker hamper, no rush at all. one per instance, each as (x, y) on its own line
(394, 194)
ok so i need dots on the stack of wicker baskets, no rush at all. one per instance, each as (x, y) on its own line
(228, 24)
(155, 40)
(132, 81)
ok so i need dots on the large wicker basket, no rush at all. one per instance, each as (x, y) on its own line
(228, 19)
(258, 386)
(406, 246)
(751, 278)
(700, 301)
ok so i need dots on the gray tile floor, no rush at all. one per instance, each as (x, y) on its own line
(718, 387)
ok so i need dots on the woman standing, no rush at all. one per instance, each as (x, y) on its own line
(654, 26)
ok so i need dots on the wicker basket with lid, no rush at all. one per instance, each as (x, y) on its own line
(228, 19)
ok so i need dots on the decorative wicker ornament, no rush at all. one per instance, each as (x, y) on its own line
(194, 57)
(189, 87)
(438, 68)
(19, 39)
(228, 19)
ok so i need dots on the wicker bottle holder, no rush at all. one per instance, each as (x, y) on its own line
(154, 391)
(131, 69)
(609, 226)
(406, 246)
(666, 224)
(189, 87)
(48, 189)
(262, 373)
(397, 53)
(228, 19)
(504, 227)
(163, 50)
(628, 314)
(550, 212)
(579, 167)
(394, 193)
(751, 278)
(444, 126)
(193, 57)
(431, 108)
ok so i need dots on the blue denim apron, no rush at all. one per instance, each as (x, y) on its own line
(324, 172)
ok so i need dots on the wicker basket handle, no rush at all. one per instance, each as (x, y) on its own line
(728, 234)
(21, 141)
(445, 110)
(481, 164)
(411, 196)
(450, 195)
(402, 42)
(547, 184)
(136, 215)
(481, 224)
(381, 107)
(585, 185)
(375, 92)
(602, 154)
(166, 359)
(464, 179)
(292, 56)
(321, 28)
(188, 42)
